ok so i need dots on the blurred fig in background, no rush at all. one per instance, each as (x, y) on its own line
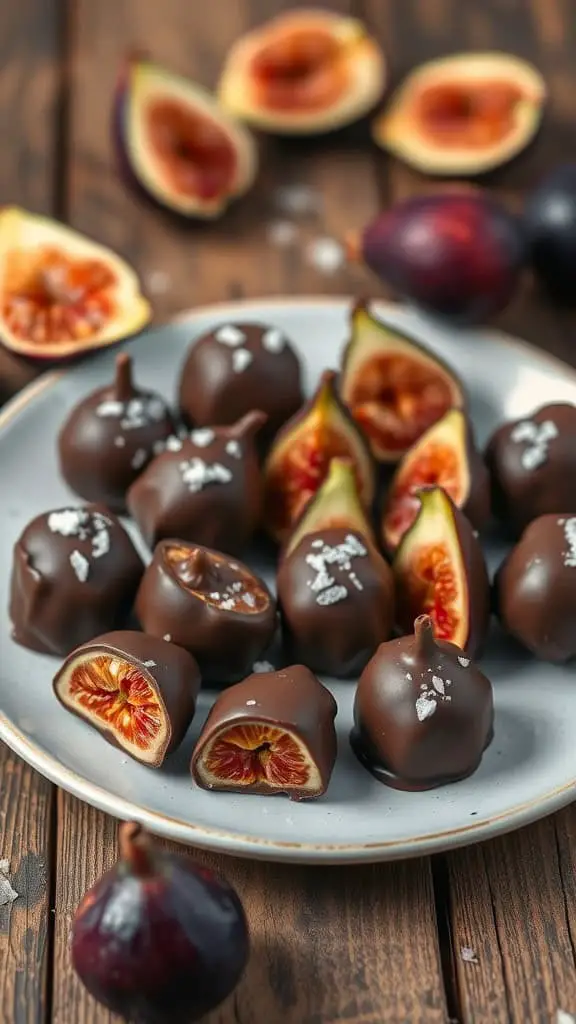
(550, 217)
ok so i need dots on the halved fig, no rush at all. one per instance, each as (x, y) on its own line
(445, 456)
(440, 571)
(463, 114)
(137, 690)
(394, 388)
(272, 733)
(300, 457)
(62, 294)
(303, 72)
(335, 505)
(177, 145)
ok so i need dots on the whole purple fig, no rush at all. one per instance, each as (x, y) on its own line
(159, 939)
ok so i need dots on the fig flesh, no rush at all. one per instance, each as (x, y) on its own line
(335, 505)
(445, 456)
(550, 221)
(177, 145)
(394, 388)
(303, 72)
(300, 457)
(159, 939)
(457, 254)
(439, 570)
(463, 114)
(62, 294)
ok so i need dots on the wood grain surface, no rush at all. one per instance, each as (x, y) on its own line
(480, 936)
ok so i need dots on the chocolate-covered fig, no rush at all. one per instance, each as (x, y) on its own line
(74, 575)
(210, 604)
(535, 588)
(335, 589)
(138, 691)
(532, 464)
(111, 436)
(205, 488)
(439, 569)
(394, 388)
(301, 454)
(238, 367)
(444, 456)
(423, 712)
(272, 733)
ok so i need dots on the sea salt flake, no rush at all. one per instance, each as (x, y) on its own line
(332, 595)
(149, 664)
(230, 335)
(570, 535)
(425, 707)
(119, 442)
(438, 684)
(228, 605)
(273, 340)
(214, 596)
(317, 544)
(234, 449)
(110, 408)
(197, 474)
(263, 666)
(167, 636)
(158, 447)
(80, 565)
(249, 599)
(463, 661)
(326, 255)
(409, 677)
(468, 955)
(139, 458)
(202, 438)
(68, 522)
(250, 703)
(241, 359)
(100, 544)
(537, 437)
(173, 444)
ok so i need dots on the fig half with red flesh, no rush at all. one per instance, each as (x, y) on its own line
(61, 294)
(211, 604)
(335, 505)
(138, 691)
(178, 145)
(445, 456)
(303, 72)
(463, 114)
(394, 388)
(300, 457)
(440, 571)
(272, 733)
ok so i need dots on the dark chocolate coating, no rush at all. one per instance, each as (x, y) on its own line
(111, 436)
(535, 588)
(205, 489)
(171, 671)
(75, 574)
(292, 698)
(253, 367)
(337, 601)
(423, 713)
(532, 464)
(225, 633)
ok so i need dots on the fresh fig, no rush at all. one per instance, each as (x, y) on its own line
(423, 712)
(111, 436)
(62, 295)
(457, 254)
(463, 114)
(177, 145)
(300, 456)
(439, 570)
(394, 388)
(445, 456)
(303, 72)
(159, 939)
(550, 220)
(335, 505)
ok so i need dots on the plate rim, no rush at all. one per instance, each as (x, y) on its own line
(238, 844)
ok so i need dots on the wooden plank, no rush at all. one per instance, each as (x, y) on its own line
(328, 945)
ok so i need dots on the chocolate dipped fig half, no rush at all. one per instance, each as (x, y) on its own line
(445, 456)
(209, 603)
(335, 589)
(423, 712)
(439, 570)
(301, 454)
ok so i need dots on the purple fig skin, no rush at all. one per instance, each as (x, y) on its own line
(457, 254)
(159, 939)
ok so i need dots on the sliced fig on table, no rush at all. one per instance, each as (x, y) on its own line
(440, 571)
(445, 456)
(300, 457)
(303, 72)
(395, 389)
(62, 294)
(463, 114)
(177, 145)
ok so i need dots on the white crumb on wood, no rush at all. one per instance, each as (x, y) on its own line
(326, 255)
(468, 955)
(7, 893)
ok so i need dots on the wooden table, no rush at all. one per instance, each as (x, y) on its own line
(369, 945)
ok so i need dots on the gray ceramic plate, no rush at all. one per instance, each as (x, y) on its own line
(528, 771)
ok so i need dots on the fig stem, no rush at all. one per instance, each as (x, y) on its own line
(135, 848)
(198, 565)
(249, 424)
(424, 632)
(123, 385)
